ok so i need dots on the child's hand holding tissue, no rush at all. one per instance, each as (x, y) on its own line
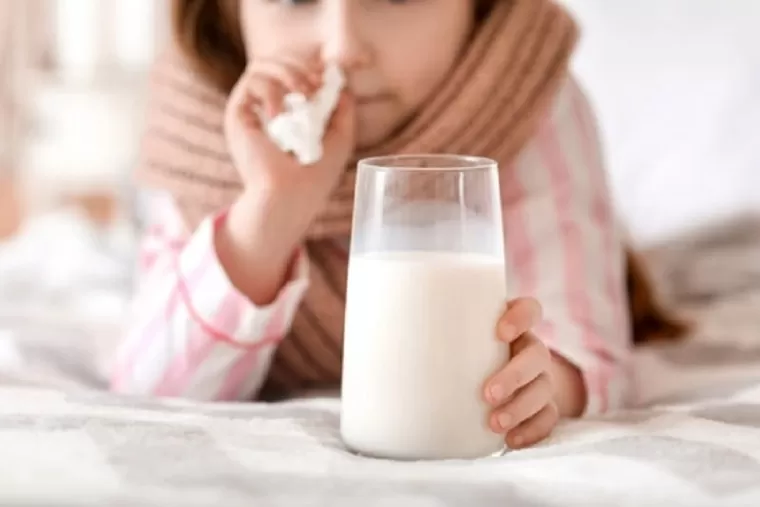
(276, 108)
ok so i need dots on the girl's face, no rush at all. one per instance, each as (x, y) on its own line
(394, 52)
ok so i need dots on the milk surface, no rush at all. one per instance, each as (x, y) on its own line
(420, 342)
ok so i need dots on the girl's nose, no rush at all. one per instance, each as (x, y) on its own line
(343, 41)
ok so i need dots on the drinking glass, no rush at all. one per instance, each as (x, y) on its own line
(426, 286)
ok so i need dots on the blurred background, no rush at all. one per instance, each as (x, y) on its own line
(676, 84)
(72, 89)
(73, 80)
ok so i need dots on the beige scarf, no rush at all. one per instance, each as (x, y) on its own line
(489, 106)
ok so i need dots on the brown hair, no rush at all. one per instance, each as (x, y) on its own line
(208, 33)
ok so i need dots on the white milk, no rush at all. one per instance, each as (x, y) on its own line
(420, 342)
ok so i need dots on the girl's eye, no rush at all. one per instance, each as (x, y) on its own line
(306, 2)
(293, 2)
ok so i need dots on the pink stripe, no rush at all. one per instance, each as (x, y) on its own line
(160, 234)
(231, 389)
(577, 298)
(603, 216)
(241, 369)
(229, 313)
(521, 252)
(202, 340)
(147, 260)
(547, 331)
(602, 209)
(157, 231)
(162, 319)
(178, 374)
(174, 245)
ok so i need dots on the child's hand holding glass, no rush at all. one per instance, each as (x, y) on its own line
(524, 394)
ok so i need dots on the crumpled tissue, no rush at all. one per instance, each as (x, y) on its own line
(299, 129)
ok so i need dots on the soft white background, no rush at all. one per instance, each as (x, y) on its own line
(677, 85)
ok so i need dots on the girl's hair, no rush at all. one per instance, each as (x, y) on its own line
(208, 33)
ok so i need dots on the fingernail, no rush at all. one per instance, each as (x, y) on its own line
(497, 393)
(518, 441)
(505, 420)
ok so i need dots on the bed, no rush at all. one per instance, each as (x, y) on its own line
(692, 436)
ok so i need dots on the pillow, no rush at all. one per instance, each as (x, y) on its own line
(677, 90)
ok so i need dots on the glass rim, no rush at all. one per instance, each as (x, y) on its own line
(456, 163)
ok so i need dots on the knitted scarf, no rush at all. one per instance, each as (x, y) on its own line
(490, 105)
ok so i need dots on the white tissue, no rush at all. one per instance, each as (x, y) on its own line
(299, 129)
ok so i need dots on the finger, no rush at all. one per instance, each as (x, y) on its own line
(268, 94)
(291, 77)
(524, 367)
(248, 113)
(521, 316)
(535, 429)
(241, 106)
(254, 93)
(313, 67)
(526, 403)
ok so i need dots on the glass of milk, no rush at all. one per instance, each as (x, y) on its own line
(426, 286)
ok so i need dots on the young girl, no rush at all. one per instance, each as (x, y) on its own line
(243, 273)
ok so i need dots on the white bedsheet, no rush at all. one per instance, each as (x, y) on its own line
(693, 437)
